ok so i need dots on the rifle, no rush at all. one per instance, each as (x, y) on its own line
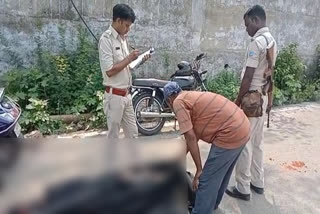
(270, 100)
(268, 74)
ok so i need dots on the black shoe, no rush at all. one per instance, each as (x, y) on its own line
(233, 192)
(258, 190)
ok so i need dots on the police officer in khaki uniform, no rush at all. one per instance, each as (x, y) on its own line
(249, 168)
(114, 60)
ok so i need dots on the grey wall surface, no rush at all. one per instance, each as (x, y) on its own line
(177, 29)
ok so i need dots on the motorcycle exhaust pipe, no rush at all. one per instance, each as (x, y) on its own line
(155, 115)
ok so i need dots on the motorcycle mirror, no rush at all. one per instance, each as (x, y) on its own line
(204, 72)
(201, 56)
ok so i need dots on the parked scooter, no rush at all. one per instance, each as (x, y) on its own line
(149, 105)
(10, 113)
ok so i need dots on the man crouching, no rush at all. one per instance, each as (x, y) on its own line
(216, 120)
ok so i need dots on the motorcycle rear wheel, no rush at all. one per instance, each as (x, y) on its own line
(145, 102)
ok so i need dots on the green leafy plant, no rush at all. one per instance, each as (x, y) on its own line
(316, 76)
(279, 97)
(288, 72)
(68, 81)
(226, 83)
(292, 84)
(98, 119)
(35, 117)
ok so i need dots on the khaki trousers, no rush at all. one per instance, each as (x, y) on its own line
(119, 112)
(249, 167)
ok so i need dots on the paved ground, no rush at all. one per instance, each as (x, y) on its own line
(292, 170)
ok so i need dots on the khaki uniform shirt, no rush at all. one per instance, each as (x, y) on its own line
(113, 49)
(256, 56)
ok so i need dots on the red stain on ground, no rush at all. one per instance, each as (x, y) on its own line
(294, 165)
(298, 164)
(290, 168)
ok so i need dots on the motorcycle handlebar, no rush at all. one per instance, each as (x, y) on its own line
(203, 72)
(200, 56)
(196, 62)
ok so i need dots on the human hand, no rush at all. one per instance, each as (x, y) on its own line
(195, 183)
(133, 55)
(146, 57)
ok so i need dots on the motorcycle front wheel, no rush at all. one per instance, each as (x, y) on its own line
(145, 103)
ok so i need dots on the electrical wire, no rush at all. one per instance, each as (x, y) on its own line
(83, 20)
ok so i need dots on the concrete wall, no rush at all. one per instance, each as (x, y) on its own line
(178, 29)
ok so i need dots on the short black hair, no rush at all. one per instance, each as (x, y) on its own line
(256, 11)
(123, 11)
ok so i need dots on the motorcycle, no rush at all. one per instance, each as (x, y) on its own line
(150, 108)
(10, 113)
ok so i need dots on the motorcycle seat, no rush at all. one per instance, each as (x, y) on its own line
(154, 83)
